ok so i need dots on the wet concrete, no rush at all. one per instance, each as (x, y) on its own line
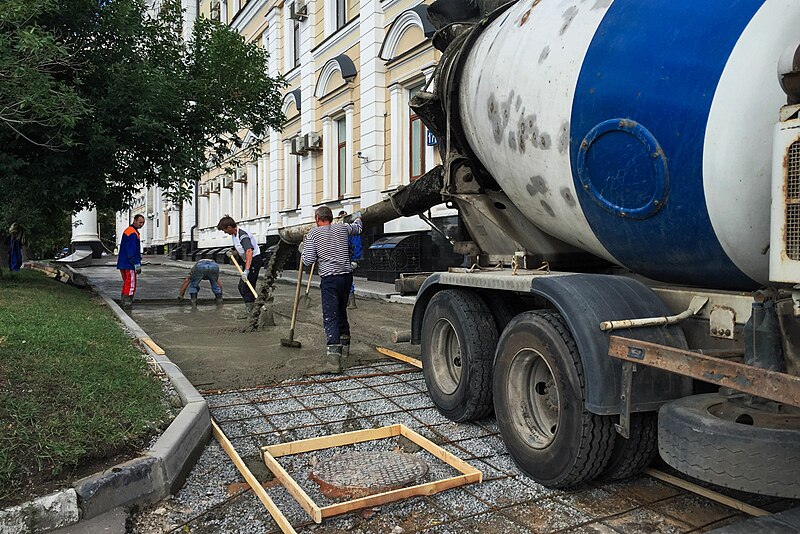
(213, 352)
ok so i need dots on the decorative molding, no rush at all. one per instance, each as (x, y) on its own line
(288, 98)
(414, 17)
(342, 64)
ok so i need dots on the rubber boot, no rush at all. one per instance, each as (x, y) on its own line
(218, 300)
(193, 299)
(351, 301)
(248, 307)
(126, 302)
(345, 339)
(333, 360)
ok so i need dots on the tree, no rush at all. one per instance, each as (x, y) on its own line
(145, 107)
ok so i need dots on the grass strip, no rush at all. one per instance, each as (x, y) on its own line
(73, 388)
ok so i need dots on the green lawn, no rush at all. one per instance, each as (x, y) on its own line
(73, 388)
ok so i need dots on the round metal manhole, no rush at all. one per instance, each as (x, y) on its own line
(357, 474)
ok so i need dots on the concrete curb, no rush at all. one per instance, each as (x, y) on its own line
(160, 471)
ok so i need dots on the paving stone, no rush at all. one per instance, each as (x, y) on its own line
(546, 515)
(642, 489)
(693, 509)
(597, 503)
(489, 523)
(645, 521)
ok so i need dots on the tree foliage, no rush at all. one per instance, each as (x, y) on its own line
(98, 99)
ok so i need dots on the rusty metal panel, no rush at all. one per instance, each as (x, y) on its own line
(779, 387)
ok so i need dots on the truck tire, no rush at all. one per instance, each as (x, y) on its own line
(696, 441)
(504, 307)
(539, 403)
(631, 455)
(458, 341)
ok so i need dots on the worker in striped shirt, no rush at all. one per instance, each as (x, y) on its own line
(328, 246)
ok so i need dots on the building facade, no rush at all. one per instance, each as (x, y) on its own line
(349, 138)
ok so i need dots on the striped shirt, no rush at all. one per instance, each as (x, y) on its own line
(329, 247)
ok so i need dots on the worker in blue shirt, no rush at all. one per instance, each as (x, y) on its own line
(129, 261)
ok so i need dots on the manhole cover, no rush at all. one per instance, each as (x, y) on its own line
(358, 474)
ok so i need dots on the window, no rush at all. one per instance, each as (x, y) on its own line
(295, 44)
(341, 13)
(341, 154)
(416, 132)
(215, 11)
(417, 148)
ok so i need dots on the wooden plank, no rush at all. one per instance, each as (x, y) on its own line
(402, 357)
(450, 459)
(707, 493)
(395, 495)
(334, 440)
(273, 510)
(299, 494)
(779, 387)
(152, 344)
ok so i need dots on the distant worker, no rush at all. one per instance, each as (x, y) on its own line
(202, 270)
(327, 245)
(356, 253)
(246, 247)
(129, 261)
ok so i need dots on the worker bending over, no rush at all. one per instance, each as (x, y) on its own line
(246, 247)
(202, 270)
(328, 245)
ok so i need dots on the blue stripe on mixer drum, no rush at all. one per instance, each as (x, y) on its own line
(638, 123)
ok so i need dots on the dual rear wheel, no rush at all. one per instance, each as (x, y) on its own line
(533, 377)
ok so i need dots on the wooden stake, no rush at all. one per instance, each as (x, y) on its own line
(273, 510)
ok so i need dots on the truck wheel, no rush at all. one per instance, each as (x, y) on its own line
(700, 436)
(459, 337)
(631, 455)
(539, 403)
(504, 307)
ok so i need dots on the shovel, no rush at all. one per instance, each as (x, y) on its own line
(290, 342)
(236, 263)
(306, 298)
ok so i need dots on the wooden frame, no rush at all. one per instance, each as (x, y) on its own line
(269, 453)
(255, 485)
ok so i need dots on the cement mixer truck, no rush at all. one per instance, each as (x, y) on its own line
(627, 175)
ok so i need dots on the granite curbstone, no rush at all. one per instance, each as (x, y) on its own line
(52, 511)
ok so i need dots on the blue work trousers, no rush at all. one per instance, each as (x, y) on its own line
(335, 289)
(204, 271)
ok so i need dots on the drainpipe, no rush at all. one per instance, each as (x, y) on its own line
(196, 216)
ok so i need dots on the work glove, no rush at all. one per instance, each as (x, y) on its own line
(354, 265)
(245, 272)
(357, 215)
(231, 252)
(137, 268)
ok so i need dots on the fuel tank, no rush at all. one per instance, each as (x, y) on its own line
(639, 131)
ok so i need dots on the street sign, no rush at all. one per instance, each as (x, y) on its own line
(432, 141)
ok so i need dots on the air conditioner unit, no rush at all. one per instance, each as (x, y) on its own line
(203, 190)
(214, 186)
(313, 142)
(240, 176)
(298, 10)
(227, 182)
(299, 146)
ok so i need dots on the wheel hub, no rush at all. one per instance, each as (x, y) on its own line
(535, 398)
(445, 356)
